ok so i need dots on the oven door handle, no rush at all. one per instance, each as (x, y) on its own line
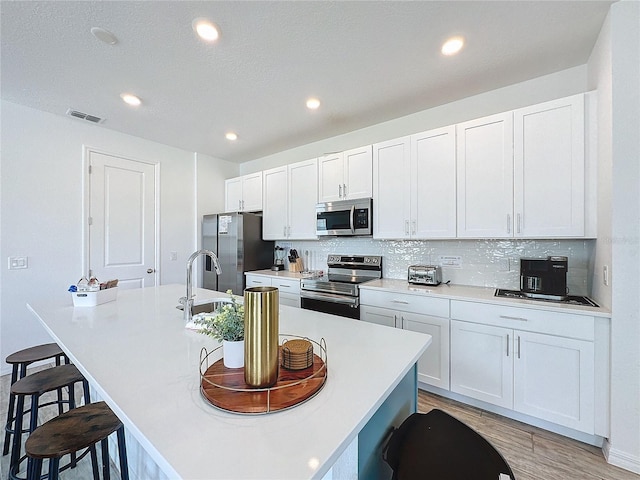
(330, 298)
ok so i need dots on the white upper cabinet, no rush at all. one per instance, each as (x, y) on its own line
(275, 204)
(289, 204)
(391, 185)
(549, 169)
(433, 184)
(243, 194)
(345, 175)
(414, 186)
(485, 177)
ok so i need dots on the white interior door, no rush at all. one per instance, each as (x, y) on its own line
(122, 225)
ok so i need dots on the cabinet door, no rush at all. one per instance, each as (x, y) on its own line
(554, 379)
(391, 189)
(380, 316)
(481, 362)
(330, 177)
(233, 194)
(433, 184)
(252, 192)
(358, 173)
(302, 200)
(549, 169)
(274, 213)
(485, 177)
(433, 366)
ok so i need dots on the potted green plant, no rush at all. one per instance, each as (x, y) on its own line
(227, 325)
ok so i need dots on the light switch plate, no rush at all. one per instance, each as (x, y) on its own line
(18, 263)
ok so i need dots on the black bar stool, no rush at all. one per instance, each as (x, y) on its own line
(20, 361)
(73, 431)
(35, 385)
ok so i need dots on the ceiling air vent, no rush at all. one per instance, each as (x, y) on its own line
(84, 116)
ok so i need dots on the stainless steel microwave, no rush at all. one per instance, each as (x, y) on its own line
(344, 218)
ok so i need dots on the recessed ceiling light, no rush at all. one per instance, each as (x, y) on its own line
(104, 35)
(452, 46)
(313, 103)
(205, 29)
(231, 136)
(130, 99)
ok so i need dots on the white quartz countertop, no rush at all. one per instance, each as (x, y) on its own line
(281, 274)
(137, 354)
(478, 294)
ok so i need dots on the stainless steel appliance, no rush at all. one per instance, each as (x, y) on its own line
(345, 218)
(338, 292)
(544, 277)
(236, 239)
(424, 274)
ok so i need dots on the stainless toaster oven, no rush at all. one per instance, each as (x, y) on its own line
(424, 275)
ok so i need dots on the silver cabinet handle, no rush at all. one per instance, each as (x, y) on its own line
(400, 301)
(413, 227)
(344, 190)
(518, 222)
(150, 270)
(284, 231)
(508, 223)
(518, 346)
(406, 227)
(339, 191)
(508, 344)
(520, 319)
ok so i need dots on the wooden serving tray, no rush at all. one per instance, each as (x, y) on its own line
(225, 388)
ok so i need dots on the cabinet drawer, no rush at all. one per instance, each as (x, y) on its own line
(286, 285)
(438, 307)
(553, 323)
(258, 281)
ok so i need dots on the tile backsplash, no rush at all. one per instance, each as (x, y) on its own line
(486, 263)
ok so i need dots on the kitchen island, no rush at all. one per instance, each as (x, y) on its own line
(139, 358)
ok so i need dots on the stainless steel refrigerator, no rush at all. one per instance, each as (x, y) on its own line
(236, 238)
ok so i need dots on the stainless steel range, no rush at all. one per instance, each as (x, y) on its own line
(338, 292)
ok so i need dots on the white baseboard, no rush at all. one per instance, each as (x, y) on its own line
(621, 459)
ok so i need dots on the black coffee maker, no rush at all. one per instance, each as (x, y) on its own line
(544, 277)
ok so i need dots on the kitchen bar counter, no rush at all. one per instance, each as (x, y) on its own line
(137, 355)
(478, 294)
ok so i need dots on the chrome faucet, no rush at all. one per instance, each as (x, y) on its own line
(187, 301)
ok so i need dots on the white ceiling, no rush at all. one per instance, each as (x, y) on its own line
(367, 62)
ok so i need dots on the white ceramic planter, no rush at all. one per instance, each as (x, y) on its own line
(233, 354)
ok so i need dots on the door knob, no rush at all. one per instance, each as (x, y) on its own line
(150, 270)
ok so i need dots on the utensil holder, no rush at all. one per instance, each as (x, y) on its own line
(261, 328)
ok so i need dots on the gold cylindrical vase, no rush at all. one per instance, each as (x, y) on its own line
(261, 329)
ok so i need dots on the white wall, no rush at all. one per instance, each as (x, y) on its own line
(625, 240)
(41, 209)
(549, 87)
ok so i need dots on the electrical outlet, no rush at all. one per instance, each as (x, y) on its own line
(605, 275)
(17, 263)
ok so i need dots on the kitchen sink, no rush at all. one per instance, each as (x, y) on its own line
(568, 300)
(206, 306)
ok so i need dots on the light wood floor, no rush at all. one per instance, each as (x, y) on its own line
(532, 453)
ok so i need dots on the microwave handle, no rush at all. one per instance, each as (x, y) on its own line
(352, 219)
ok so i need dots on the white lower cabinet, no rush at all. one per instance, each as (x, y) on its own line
(289, 288)
(543, 373)
(433, 365)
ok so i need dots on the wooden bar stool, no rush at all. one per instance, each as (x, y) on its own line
(73, 431)
(20, 361)
(35, 385)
